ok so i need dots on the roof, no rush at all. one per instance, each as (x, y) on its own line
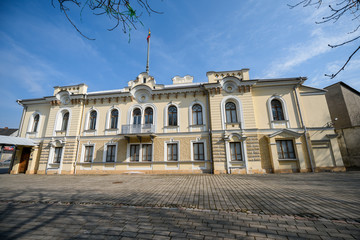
(17, 141)
(7, 131)
(344, 85)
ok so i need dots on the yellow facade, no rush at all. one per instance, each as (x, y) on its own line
(230, 124)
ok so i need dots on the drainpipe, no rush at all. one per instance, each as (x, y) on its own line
(209, 128)
(79, 135)
(305, 129)
(22, 117)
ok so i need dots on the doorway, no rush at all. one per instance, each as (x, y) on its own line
(24, 160)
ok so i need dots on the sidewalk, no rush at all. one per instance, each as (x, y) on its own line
(317, 206)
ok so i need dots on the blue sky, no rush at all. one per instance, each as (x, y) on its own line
(39, 49)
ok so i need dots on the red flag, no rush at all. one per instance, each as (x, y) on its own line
(148, 37)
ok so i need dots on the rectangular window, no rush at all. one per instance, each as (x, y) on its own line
(134, 152)
(57, 155)
(172, 152)
(198, 149)
(235, 151)
(88, 153)
(110, 153)
(285, 149)
(147, 152)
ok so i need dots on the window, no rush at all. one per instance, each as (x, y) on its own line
(197, 115)
(147, 152)
(92, 124)
(277, 110)
(198, 149)
(137, 116)
(88, 153)
(230, 109)
(114, 119)
(35, 123)
(235, 151)
(134, 152)
(172, 152)
(172, 114)
(110, 153)
(148, 116)
(285, 149)
(57, 155)
(65, 121)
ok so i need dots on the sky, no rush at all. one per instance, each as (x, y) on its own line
(39, 48)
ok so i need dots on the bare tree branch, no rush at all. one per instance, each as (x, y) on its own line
(126, 13)
(341, 8)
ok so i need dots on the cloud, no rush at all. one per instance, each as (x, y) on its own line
(302, 52)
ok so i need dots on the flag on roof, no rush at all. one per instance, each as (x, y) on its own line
(148, 37)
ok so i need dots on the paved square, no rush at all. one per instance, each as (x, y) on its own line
(286, 206)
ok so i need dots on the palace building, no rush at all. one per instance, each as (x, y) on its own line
(229, 124)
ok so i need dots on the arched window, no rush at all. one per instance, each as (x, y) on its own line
(35, 123)
(172, 114)
(277, 110)
(230, 109)
(65, 121)
(114, 119)
(137, 116)
(93, 115)
(148, 115)
(197, 115)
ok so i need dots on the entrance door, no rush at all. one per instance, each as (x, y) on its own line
(24, 160)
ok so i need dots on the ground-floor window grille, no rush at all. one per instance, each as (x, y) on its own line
(198, 149)
(172, 152)
(235, 151)
(285, 149)
(89, 150)
(110, 153)
(57, 155)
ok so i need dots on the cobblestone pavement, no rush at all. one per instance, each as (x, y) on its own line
(286, 206)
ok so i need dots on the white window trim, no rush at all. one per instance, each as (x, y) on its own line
(51, 159)
(284, 108)
(30, 131)
(105, 151)
(140, 152)
(87, 120)
(191, 125)
(165, 150)
(59, 119)
(83, 152)
(192, 149)
(242, 141)
(239, 111)
(108, 119)
(166, 117)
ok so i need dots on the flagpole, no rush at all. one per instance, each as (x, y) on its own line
(148, 51)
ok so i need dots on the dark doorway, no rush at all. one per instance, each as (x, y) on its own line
(24, 160)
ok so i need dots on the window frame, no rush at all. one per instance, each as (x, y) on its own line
(64, 127)
(279, 143)
(195, 145)
(114, 149)
(174, 145)
(234, 157)
(147, 116)
(92, 120)
(35, 124)
(233, 112)
(173, 120)
(195, 115)
(278, 109)
(56, 159)
(114, 119)
(136, 119)
(86, 158)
